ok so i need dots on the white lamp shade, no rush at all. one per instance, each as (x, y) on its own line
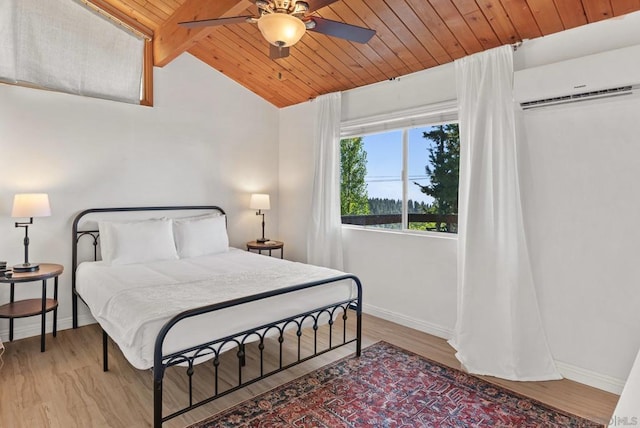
(259, 201)
(31, 205)
(281, 29)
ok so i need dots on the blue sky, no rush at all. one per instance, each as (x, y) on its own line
(384, 164)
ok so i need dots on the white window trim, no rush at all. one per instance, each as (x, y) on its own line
(444, 112)
(422, 233)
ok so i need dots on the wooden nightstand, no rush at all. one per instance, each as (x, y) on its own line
(264, 246)
(31, 307)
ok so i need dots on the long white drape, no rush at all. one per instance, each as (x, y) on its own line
(324, 243)
(498, 329)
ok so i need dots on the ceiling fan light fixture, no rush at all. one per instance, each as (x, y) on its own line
(281, 29)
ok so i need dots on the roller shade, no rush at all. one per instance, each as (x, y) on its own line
(63, 46)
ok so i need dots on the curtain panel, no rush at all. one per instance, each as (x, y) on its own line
(324, 240)
(498, 330)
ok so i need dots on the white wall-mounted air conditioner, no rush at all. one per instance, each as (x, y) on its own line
(604, 75)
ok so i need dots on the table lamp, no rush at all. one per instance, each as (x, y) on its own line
(29, 205)
(260, 201)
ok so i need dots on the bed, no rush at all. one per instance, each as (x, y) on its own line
(165, 286)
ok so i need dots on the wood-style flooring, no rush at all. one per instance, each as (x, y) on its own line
(65, 386)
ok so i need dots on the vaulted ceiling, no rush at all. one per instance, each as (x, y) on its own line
(411, 35)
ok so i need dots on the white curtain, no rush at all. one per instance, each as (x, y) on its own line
(498, 329)
(61, 45)
(324, 240)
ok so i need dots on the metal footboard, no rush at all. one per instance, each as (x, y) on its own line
(213, 349)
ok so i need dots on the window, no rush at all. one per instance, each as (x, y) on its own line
(403, 179)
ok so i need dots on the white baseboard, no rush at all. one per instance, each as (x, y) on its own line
(421, 325)
(577, 374)
(591, 378)
(33, 328)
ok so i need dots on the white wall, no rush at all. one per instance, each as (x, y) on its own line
(580, 167)
(207, 141)
(409, 279)
(297, 128)
(413, 90)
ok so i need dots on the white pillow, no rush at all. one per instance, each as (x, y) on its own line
(199, 236)
(137, 241)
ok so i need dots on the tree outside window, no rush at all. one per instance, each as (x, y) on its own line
(443, 171)
(354, 199)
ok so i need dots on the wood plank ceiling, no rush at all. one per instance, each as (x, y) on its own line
(411, 35)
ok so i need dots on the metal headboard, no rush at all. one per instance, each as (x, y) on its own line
(95, 235)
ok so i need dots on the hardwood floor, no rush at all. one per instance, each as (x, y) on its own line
(66, 387)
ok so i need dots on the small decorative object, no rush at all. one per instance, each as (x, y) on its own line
(29, 205)
(260, 201)
(8, 274)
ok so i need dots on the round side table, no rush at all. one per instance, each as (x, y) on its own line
(32, 307)
(266, 246)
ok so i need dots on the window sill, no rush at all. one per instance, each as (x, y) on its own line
(425, 234)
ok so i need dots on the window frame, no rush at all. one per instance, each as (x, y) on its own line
(428, 115)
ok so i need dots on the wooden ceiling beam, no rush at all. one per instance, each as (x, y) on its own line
(171, 39)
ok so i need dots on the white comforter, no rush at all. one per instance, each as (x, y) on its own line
(133, 302)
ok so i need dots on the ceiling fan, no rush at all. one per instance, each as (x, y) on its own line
(283, 22)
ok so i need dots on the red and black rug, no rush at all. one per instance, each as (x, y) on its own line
(390, 387)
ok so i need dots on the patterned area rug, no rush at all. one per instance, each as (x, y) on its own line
(390, 387)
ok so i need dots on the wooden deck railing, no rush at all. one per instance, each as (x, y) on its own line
(440, 222)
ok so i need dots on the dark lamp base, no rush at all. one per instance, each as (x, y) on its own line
(26, 267)
(262, 240)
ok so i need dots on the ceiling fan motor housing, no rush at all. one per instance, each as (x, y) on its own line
(282, 5)
(290, 7)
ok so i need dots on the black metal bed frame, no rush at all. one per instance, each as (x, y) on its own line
(213, 349)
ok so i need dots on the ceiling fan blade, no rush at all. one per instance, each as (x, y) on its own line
(319, 4)
(216, 21)
(277, 52)
(340, 29)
